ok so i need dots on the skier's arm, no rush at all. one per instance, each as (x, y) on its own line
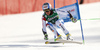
(71, 17)
(44, 28)
(57, 13)
(70, 14)
(44, 25)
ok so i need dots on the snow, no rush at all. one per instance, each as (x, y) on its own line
(23, 31)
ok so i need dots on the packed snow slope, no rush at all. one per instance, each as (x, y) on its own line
(24, 31)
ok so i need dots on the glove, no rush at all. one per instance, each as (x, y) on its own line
(74, 20)
(45, 37)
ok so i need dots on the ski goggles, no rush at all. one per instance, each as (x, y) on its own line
(47, 10)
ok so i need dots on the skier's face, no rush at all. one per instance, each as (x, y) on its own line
(47, 12)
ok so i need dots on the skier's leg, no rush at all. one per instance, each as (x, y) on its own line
(51, 27)
(60, 24)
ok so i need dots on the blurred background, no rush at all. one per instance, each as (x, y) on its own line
(25, 6)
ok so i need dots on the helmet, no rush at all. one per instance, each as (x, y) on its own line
(46, 6)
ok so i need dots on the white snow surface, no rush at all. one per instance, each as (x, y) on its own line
(24, 31)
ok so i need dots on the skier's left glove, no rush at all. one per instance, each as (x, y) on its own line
(45, 37)
(73, 20)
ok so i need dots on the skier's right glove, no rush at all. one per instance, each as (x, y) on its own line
(71, 17)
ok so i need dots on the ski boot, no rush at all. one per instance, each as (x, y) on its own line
(45, 37)
(68, 37)
(59, 37)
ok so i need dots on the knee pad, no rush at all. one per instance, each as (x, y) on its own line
(59, 22)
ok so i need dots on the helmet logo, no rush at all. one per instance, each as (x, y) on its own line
(45, 6)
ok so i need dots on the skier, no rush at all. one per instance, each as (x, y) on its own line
(51, 20)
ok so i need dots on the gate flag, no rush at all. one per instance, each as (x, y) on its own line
(74, 10)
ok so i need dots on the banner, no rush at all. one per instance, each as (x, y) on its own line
(63, 14)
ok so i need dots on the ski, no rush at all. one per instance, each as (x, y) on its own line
(63, 41)
(47, 42)
(67, 41)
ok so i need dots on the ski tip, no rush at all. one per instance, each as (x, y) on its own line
(46, 42)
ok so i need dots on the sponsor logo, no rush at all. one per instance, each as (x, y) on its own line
(45, 6)
(72, 10)
(66, 11)
(49, 19)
